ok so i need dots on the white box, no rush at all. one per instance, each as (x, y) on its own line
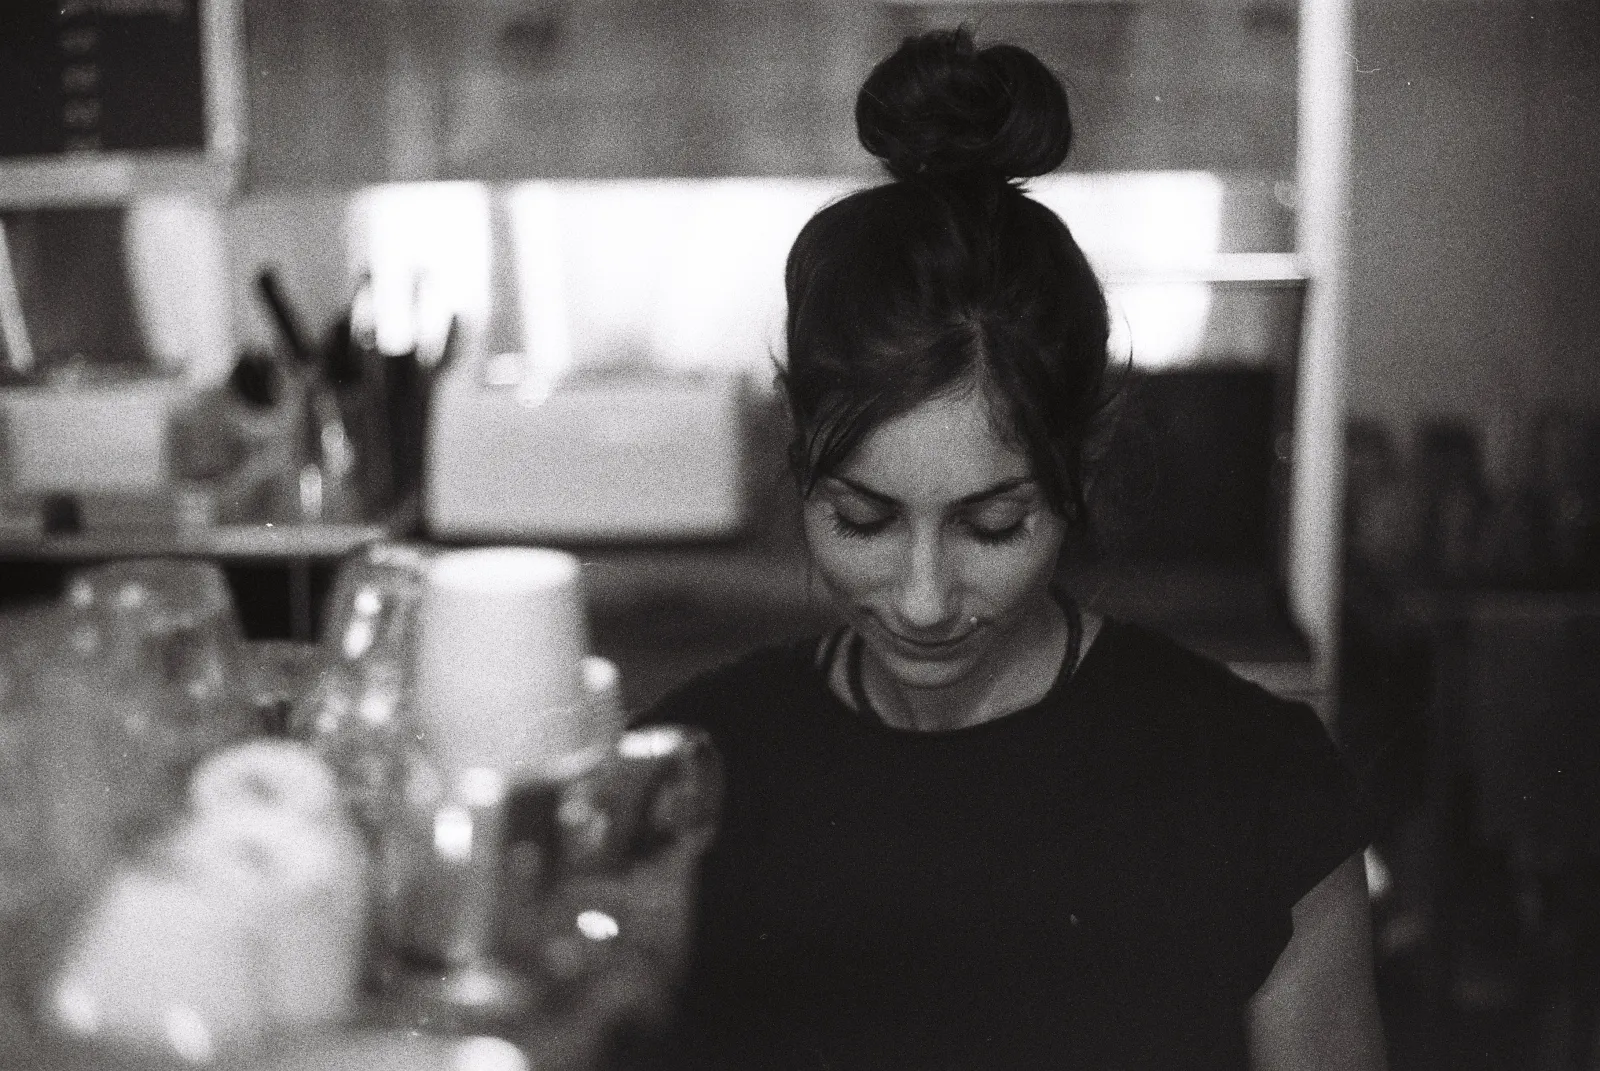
(615, 460)
(101, 437)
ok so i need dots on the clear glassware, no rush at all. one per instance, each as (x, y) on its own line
(100, 734)
(371, 610)
(23, 847)
(137, 684)
(555, 913)
(442, 972)
(355, 713)
(168, 626)
(26, 856)
(276, 677)
(599, 884)
(551, 909)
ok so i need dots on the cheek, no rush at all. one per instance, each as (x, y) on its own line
(851, 568)
(1006, 578)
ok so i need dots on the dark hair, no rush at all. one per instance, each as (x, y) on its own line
(949, 277)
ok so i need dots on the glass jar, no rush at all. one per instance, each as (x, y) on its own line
(152, 655)
(355, 714)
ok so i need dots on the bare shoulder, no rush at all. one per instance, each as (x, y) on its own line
(1318, 1007)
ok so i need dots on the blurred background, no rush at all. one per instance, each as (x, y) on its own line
(279, 278)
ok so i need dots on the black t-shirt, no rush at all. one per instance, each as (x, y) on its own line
(1100, 880)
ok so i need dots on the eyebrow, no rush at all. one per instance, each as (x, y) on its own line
(965, 500)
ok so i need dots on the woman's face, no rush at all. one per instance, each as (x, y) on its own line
(935, 540)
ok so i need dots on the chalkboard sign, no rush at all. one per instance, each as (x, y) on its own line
(101, 76)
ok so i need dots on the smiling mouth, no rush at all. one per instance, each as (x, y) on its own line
(932, 647)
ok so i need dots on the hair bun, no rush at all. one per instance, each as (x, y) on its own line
(940, 106)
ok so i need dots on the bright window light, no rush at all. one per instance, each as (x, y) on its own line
(723, 301)
(427, 247)
(538, 241)
(1135, 223)
(667, 275)
(684, 274)
(1159, 324)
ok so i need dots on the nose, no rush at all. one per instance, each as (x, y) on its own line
(926, 598)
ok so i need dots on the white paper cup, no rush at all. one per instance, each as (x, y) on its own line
(500, 653)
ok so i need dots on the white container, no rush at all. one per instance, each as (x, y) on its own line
(109, 438)
(157, 965)
(500, 666)
(658, 457)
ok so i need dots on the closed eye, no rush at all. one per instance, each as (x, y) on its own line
(860, 528)
(995, 536)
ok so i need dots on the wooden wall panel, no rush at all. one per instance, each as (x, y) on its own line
(499, 90)
(315, 92)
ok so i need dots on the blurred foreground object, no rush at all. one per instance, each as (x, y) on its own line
(180, 891)
(246, 921)
(137, 683)
(534, 864)
(356, 713)
(558, 913)
(114, 697)
(109, 699)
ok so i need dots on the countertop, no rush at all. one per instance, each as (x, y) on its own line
(225, 542)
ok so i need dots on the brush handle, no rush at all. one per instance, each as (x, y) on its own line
(283, 316)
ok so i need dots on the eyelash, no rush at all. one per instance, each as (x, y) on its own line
(986, 536)
(994, 537)
(852, 530)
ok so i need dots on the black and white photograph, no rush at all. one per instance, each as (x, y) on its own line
(799, 535)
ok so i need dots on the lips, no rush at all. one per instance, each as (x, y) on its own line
(922, 649)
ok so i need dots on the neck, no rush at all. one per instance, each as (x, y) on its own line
(1021, 667)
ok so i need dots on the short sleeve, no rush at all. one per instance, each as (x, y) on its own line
(725, 700)
(1314, 817)
(685, 705)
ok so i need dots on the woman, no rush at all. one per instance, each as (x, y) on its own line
(978, 827)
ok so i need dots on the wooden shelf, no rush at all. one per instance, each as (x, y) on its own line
(228, 542)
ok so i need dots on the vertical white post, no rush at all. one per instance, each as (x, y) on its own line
(222, 58)
(1316, 504)
(175, 249)
(13, 327)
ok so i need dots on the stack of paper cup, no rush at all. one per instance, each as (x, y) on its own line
(500, 672)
